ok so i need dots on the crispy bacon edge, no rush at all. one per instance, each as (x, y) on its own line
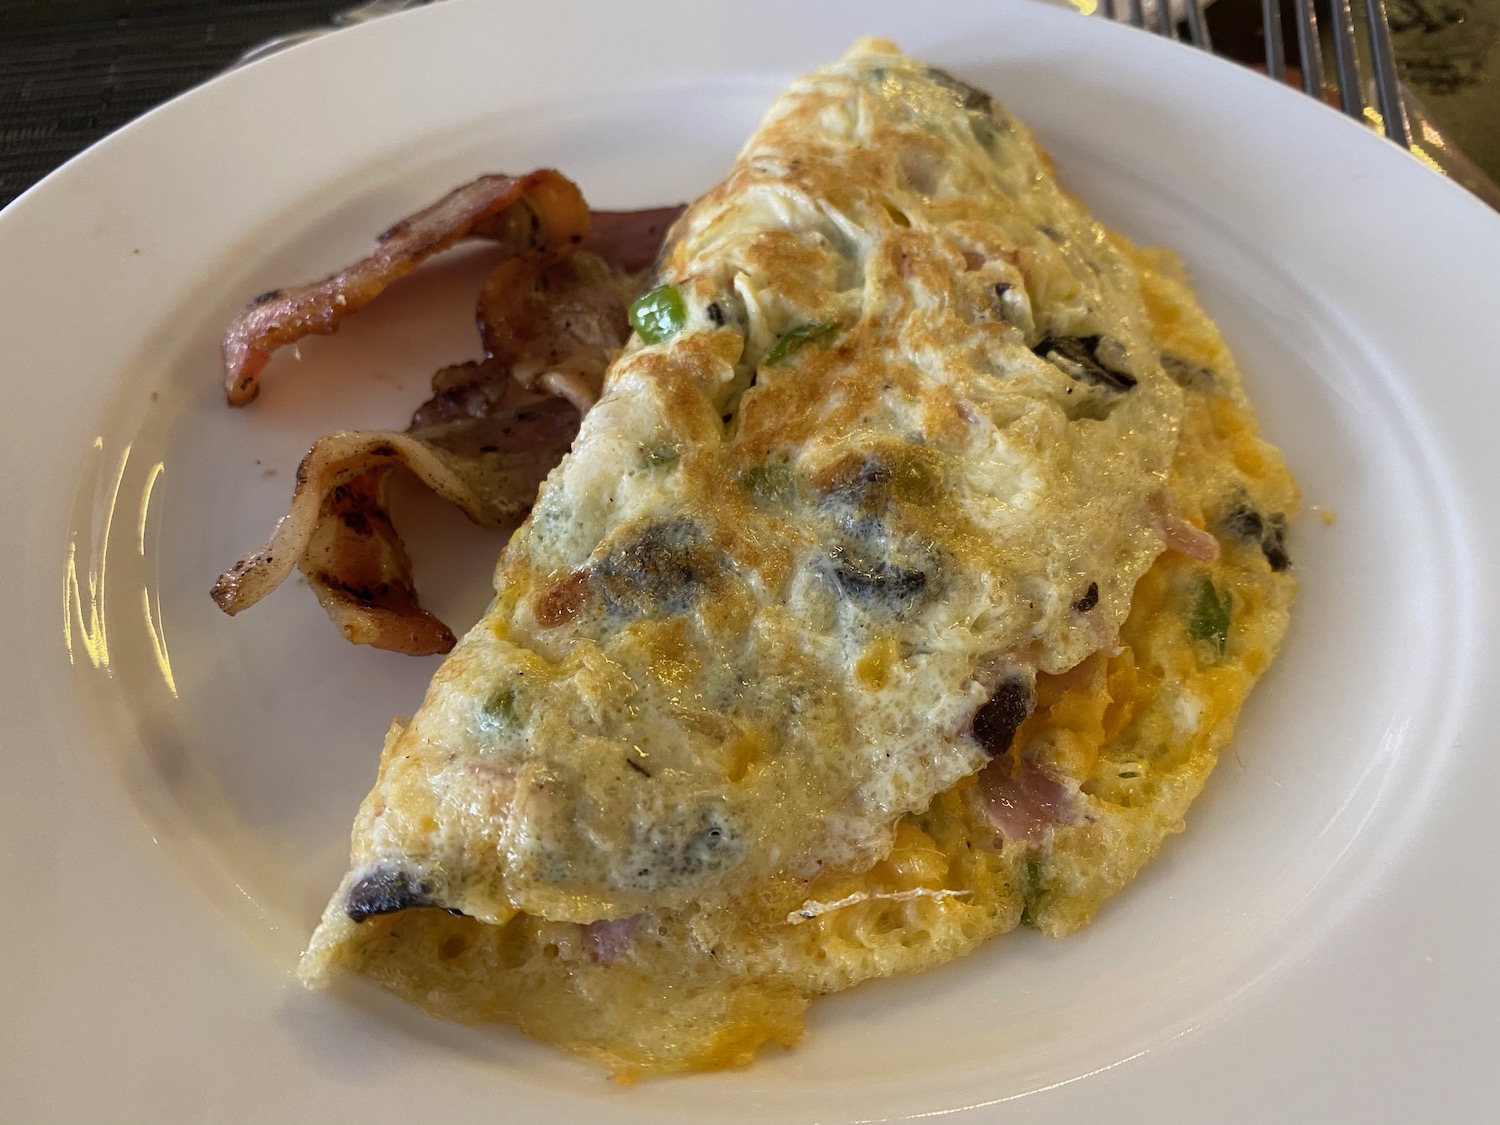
(542, 212)
(339, 534)
(338, 531)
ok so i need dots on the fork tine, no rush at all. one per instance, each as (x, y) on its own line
(1309, 49)
(1198, 25)
(1345, 64)
(1388, 95)
(1164, 19)
(1387, 83)
(1270, 22)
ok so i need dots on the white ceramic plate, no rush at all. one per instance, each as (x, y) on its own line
(178, 786)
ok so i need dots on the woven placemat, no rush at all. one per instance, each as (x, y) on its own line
(73, 70)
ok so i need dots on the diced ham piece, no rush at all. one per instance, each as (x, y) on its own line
(609, 940)
(1179, 535)
(1023, 802)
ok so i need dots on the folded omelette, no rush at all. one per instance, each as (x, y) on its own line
(901, 588)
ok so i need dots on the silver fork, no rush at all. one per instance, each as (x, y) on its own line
(1389, 102)
(1388, 97)
(1400, 114)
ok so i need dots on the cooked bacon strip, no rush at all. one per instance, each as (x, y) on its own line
(339, 533)
(557, 326)
(630, 240)
(465, 443)
(548, 325)
(464, 392)
(540, 213)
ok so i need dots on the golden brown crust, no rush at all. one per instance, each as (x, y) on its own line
(915, 451)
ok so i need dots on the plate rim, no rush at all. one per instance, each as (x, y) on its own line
(81, 168)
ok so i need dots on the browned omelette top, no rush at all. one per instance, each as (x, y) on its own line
(901, 443)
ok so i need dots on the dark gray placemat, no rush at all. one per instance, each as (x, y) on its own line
(73, 70)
